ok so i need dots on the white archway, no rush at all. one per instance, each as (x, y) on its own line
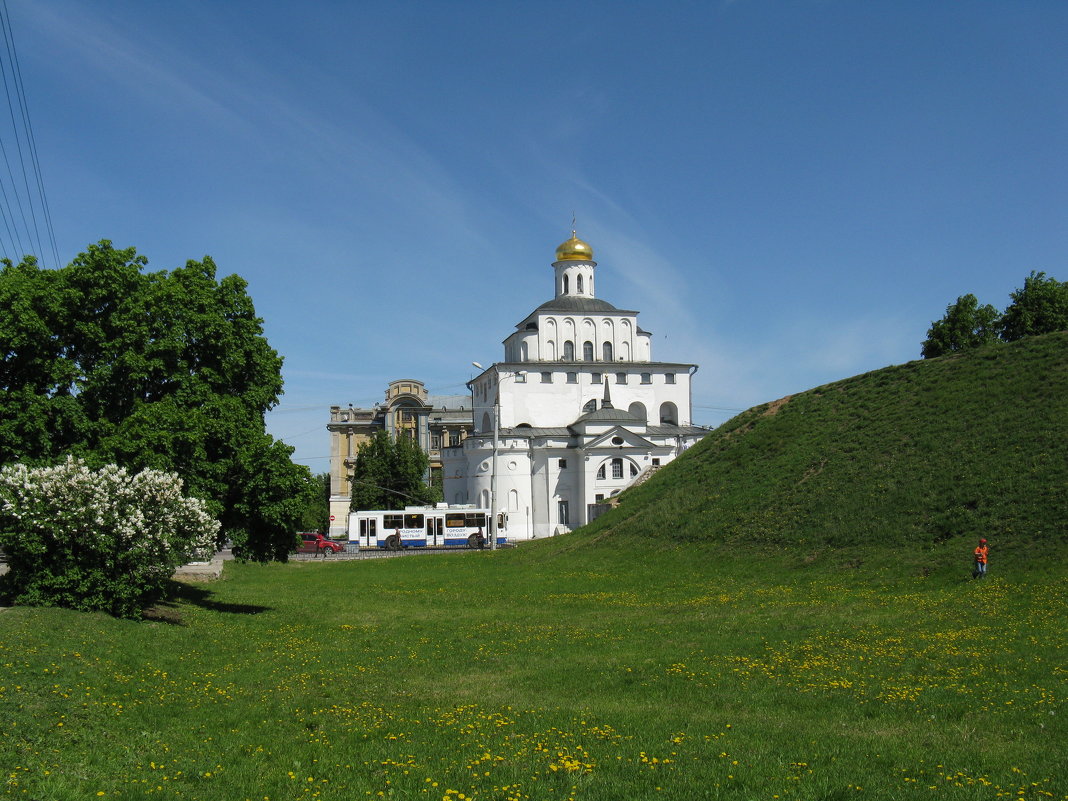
(669, 413)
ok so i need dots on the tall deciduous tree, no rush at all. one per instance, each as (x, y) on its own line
(316, 515)
(1041, 307)
(389, 473)
(164, 370)
(966, 325)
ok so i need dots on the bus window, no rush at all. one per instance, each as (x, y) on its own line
(413, 521)
(476, 521)
(454, 521)
(392, 521)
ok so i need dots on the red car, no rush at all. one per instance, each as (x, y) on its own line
(314, 542)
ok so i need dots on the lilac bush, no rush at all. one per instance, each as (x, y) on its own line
(101, 540)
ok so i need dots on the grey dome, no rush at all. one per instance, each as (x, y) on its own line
(573, 303)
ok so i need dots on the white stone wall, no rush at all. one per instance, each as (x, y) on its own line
(643, 348)
(619, 331)
(572, 271)
(547, 343)
(559, 403)
(550, 484)
(531, 400)
(472, 475)
(339, 510)
(532, 482)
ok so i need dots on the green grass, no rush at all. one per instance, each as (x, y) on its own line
(567, 669)
(971, 444)
(783, 613)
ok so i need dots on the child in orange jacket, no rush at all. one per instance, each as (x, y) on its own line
(980, 560)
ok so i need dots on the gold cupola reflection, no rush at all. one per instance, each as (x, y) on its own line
(574, 249)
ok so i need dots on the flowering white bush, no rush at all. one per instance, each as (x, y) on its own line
(97, 539)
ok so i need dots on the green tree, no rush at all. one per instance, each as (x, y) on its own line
(389, 473)
(316, 516)
(40, 415)
(163, 370)
(371, 474)
(1041, 307)
(966, 325)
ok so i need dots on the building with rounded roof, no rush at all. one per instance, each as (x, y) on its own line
(579, 407)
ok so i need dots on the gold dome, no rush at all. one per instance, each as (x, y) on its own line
(574, 249)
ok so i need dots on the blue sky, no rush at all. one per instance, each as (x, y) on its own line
(789, 192)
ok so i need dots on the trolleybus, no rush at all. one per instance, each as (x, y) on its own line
(422, 527)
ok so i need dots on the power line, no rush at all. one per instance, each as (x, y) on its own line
(285, 409)
(30, 153)
(302, 433)
(30, 136)
(7, 224)
(18, 145)
(15, 238)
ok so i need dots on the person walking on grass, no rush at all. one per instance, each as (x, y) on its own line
(980, 560)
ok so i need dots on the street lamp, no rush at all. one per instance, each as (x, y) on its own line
(496, 452)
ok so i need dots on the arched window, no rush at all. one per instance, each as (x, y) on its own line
(669, 414)
(565, 284)
(587, 351)
(513, 500)
(487, 423)
(638, 410)
(617, 468)
(523, 352)
(578, 284)
(569, 351)
(606, 350)
(600, 473)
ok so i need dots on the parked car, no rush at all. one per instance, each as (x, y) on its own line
(314, 542)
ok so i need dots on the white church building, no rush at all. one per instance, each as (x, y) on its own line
(576, 412)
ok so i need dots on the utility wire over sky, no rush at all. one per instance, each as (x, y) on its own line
(23, 201)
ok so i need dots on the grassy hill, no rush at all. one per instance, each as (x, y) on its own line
(910, 456)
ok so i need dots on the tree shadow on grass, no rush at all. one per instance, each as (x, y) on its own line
(169, 609)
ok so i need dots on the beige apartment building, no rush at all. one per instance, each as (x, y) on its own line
(434, 421)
